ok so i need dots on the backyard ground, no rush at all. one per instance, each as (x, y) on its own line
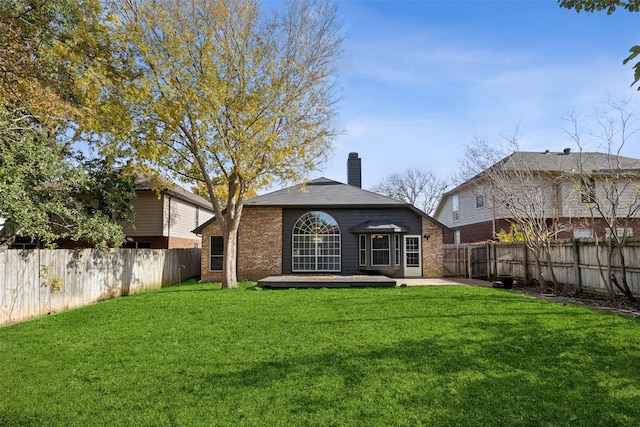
(193, 354)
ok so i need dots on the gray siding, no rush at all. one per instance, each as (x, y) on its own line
(347, 219)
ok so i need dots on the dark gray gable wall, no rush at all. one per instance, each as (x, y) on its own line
(346, 218)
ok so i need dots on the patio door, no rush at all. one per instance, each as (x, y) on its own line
(412, 256)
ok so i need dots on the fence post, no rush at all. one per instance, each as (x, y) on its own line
(576, 264)
(469, 266)
(525, 260)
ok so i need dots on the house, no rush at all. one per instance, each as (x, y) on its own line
(164, 218)
(165, 214)
(328, 227)
(567, 182)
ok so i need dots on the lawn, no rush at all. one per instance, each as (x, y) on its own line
(436, 356)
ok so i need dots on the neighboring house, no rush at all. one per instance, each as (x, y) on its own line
(473, 217)
(165, 214)
(164, 219)
(328, 227)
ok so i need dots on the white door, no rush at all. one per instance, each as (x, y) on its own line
(412, 256)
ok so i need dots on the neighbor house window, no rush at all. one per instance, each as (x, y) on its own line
(216, 250)
(582, 233)
(456, 237)
(380, 249)
(362, 250)
(316, 243)
(197, 216)
(621, 232)
(456, 207)
(588, 190)
(479, 201)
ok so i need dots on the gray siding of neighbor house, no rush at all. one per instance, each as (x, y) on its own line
(346, 218)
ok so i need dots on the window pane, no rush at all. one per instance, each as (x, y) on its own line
(380, 258)
(380, 241)
(316, 243)
(216, 252)
(217, 245)
(413, 259)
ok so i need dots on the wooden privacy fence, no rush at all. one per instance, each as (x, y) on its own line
(468, 260)
(574, 262)
(38, 282)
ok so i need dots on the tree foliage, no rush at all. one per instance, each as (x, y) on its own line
(419, 188)
(48, 192)
(54, 56)
(609, 6)
(225, 92)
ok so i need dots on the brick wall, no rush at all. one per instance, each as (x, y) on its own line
(207, 275)
(259, 245)
(432, 251)
(183, 243)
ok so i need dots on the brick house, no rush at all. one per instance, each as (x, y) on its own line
(327, 227)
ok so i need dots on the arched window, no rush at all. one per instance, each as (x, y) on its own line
(316, 243)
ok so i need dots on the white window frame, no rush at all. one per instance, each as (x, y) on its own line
(396, 249)
(362, 250)
(316, 244)
(455, 208)
(374, 238)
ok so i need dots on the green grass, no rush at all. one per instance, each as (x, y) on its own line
(436, 356)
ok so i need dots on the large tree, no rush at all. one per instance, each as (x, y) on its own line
(227, 92)
(54, 55)
(609, 6)
(421, 189)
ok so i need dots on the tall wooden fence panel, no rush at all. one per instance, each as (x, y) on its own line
(38, 282)
(466, 260)
(581, 263)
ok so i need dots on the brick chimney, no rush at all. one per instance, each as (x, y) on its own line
(354, 170)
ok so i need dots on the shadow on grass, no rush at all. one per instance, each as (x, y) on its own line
(540, 378)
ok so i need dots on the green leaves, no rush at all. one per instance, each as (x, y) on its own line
(635, 51)
(609, 6)
(50, 192)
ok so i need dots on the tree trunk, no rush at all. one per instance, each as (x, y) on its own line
(623, 274)
(229, 274)
(554, 279)
(540, 276)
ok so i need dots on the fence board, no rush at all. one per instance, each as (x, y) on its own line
(87, 275)
(575, 263)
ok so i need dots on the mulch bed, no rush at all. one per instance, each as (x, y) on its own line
(620, 304)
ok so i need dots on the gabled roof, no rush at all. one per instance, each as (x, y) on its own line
(563, 162)
(144, 183)
(568, 162)
(323, 192)
(326, 193)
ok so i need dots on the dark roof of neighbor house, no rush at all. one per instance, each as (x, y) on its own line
(326, 193)
(566, 161)
(144, 183)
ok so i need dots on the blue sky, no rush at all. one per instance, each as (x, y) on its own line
(420, 79)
